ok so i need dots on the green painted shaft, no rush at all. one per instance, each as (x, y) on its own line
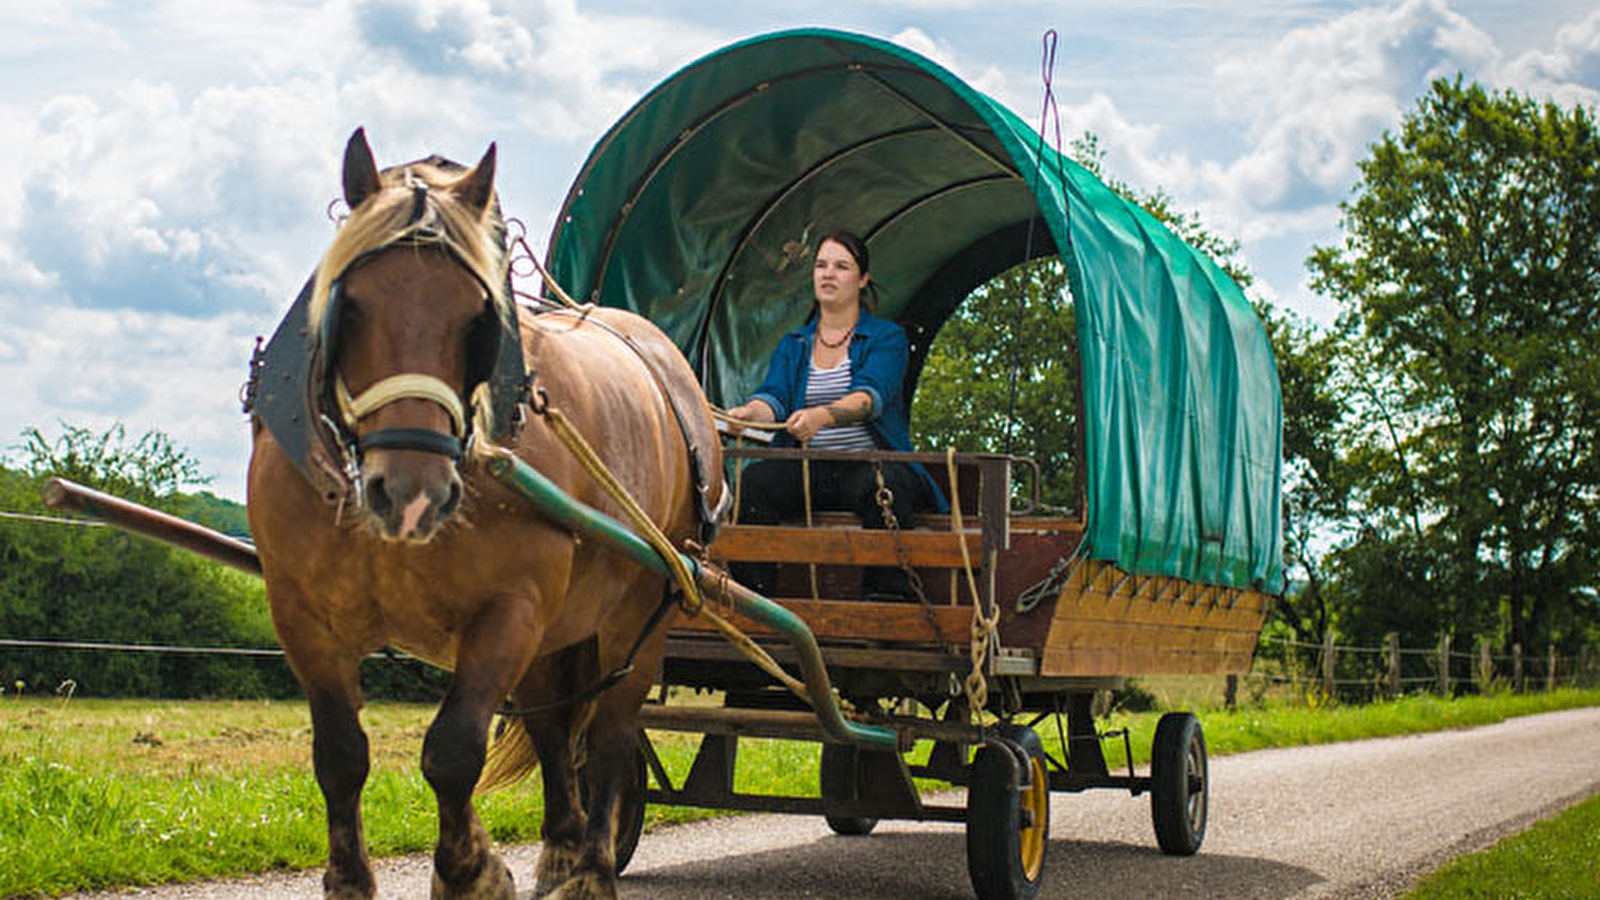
(570, 513)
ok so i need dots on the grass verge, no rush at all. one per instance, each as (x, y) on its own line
(1557, 859)
(98, 794)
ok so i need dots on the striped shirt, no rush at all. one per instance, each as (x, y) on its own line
(823, 386)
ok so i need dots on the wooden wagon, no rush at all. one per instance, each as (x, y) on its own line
(699, 209)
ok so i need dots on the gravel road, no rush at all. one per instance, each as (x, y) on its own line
(1354, 820)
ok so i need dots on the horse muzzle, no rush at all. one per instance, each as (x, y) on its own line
(410, 502)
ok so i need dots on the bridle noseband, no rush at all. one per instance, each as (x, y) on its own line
(401, 387)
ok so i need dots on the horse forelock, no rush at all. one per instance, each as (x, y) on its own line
(388, 217)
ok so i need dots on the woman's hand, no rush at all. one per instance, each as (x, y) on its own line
(805, 423)
(754, 411)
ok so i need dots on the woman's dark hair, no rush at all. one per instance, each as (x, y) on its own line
(857, 248)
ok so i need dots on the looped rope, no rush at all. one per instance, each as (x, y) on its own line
(1047, 65)
(984, 622)
(690, 597)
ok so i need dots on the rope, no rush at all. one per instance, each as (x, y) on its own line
(693, 602)
(984, 622)
(646, 527)
(135, 648)
(805, 487)
(520, 240)
(1047, 75)
(746, 424)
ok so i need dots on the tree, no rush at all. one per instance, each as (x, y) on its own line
(1468, 277)
(1316, 480)
(1003, 371)
(64, 582)
(1002, 374)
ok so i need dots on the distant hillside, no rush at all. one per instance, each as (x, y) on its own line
(216, 513)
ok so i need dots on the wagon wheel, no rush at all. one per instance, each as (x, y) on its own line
(838, 777)
(1179, 784)
(630, 811)
(630, 817)
(1005, 852)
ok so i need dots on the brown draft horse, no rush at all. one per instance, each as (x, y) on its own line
(440, 560)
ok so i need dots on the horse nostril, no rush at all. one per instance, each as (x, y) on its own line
(378, 498)
(452, 501)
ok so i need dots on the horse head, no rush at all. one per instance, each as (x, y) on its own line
(412, 309)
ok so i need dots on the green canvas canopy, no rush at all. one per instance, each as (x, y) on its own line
(700, 209)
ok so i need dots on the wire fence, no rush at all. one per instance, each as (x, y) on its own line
(45, 665)
(1355, 672)
(1327, 669)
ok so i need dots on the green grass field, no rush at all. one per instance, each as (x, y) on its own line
(149, 792)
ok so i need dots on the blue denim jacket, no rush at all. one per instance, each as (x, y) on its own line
(878, 355)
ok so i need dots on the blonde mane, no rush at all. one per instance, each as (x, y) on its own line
(385, 218)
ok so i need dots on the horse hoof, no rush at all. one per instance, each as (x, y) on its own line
(587, 886)
(494, 882)
(556, 865)
(355, 889)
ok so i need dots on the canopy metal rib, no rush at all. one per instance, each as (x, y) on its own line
(753, 227)
(941, 124)
(943, 192)
(684, 138)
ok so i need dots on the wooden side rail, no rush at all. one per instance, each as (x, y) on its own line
(844, 546)
(859, 620)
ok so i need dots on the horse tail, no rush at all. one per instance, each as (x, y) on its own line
(511, 758)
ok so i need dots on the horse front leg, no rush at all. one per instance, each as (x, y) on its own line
(492, 656)
(339, 755)
(340, 758)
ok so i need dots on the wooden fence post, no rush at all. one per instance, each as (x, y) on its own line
(1327, 662)
(1444, 664)
(1583, 666)
(1518, 683)
(1550, 671)
(1394, 665)
(1485, 665)
(1230, 695)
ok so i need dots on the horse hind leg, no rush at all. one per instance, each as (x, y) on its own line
(551, 682)
(493, 654)
(609, 770)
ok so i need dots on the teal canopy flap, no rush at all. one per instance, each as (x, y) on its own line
(700, 209)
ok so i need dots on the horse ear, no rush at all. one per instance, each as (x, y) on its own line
(475, 188)
(360, 171)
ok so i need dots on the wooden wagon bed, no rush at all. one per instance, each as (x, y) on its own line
(1061, 615)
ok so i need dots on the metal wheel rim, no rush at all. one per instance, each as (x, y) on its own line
(1194, 779)
(1031, 840)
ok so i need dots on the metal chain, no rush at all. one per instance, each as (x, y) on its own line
(885, 498)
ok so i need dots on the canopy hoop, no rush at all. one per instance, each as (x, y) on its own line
(702, 332)
(684, 138)
(944, 126)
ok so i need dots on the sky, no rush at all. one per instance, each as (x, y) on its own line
(169, 164)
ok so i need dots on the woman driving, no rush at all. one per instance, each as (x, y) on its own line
(836, 383)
